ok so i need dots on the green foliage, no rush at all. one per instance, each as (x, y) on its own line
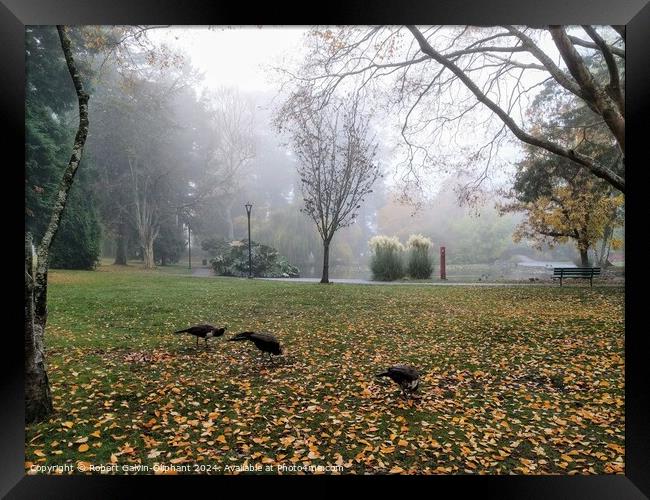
(420, 264)
(169, 245)
(215, 246)
(50, 124)
(231, 259)
(77, 244)
(386, 261)
(478, 239)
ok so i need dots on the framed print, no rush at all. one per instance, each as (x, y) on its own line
(381, 246)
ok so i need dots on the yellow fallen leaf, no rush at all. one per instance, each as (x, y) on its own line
(68, 424)
(39, 453)
(616, 448)
(83, 447)
(286, 441)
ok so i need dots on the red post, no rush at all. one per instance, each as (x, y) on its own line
(443, 272)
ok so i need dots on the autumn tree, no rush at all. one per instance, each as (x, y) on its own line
(563, 203)
(38, 400)
(465, 89)
(336, 163)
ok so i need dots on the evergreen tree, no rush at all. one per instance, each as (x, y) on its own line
(49, 135)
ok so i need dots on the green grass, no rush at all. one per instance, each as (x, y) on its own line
(515, 380)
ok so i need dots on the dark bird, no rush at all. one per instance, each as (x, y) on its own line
(204, 332)
(265, 342)
(406, 377)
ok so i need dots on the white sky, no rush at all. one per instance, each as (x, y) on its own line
(235, 56)
(240, 56)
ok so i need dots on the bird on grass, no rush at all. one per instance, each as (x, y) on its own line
(204, 331)
(264, 341)
(406, 377)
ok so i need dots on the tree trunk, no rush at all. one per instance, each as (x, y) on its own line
(147, 253)
(326, 262)
(122, 245)
(38, 399)
(604, 247)
(584, 257)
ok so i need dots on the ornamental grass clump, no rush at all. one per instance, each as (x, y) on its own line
(386, 262)
(420, 264)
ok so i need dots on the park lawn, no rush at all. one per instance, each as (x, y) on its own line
(524, 380)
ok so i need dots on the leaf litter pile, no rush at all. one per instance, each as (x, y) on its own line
(515, 380)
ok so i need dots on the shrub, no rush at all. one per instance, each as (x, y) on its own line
(420, 265)
(386, 260)
(231, 259)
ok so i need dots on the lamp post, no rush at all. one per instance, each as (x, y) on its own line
(443, 269)
(249, 207)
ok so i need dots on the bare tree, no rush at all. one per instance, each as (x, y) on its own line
(232, 122)
(336, 166)
(436, 79)
(38, 400)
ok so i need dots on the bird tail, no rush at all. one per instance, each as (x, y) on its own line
(181, 331)
(241, 336)
(382, 374)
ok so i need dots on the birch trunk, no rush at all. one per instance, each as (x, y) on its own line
(38, 399)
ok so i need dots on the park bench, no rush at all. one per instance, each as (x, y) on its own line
(576, 272)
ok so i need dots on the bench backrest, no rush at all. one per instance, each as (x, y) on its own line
(576, 271)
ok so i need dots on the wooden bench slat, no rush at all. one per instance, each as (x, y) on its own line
(576, 272)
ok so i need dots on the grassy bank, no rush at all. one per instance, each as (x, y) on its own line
(523, 380)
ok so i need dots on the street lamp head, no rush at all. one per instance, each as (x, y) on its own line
(248, 206)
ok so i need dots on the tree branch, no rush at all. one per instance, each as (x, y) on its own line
(585, 43)
(592, 165)
(593, 94)
(614, 86)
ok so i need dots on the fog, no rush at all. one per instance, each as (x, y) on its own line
(182, 132)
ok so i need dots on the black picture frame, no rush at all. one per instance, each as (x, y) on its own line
(635, 14)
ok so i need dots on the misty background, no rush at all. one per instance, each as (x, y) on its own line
(182, 137)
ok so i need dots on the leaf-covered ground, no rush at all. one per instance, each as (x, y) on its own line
(523, 380)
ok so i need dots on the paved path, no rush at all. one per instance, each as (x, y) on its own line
(206, 272)
(346, 281)
(202, 272)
